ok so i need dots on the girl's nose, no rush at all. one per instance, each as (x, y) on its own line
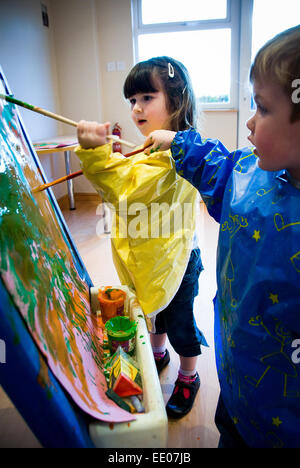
(137, 107)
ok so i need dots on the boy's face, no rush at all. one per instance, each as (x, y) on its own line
(149, 112)
(276, 139)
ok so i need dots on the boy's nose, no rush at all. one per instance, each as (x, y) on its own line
(251, 124)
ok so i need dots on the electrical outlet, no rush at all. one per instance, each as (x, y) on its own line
(111, 66)
(120, 66)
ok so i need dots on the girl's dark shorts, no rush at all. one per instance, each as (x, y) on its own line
(178, 320)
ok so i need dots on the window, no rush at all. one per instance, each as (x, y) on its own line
(261, 19)
(284, 15)
(202, 34)
(170, 11)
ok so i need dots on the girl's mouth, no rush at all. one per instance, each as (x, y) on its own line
(141, 121)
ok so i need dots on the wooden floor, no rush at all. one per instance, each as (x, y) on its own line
(197, 429)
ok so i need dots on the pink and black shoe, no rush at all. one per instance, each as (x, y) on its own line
(162, 362)
(183, 397)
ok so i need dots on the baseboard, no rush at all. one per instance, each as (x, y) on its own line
(79, 196)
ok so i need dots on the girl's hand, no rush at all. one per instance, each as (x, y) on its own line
(160, 140)
(92, 134)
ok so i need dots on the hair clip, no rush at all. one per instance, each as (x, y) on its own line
(183, 91)
(171, 70)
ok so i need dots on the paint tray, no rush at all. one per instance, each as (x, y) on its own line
(149, 429)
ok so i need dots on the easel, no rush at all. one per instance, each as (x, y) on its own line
(56, 321)
(25, 376)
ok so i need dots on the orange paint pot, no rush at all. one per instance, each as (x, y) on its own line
(111, 302)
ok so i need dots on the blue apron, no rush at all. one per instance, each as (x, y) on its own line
(257, 306)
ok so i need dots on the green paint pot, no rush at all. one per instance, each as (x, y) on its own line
(121, 331)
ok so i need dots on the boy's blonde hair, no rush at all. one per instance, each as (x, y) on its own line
(279, 60)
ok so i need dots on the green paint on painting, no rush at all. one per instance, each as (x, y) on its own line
(36, 264)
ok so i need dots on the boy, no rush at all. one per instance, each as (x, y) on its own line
(255, 196)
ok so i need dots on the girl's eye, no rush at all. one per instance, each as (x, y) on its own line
(132, 101)
(147, 97)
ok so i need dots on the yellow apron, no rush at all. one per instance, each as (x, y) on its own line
(153, 220)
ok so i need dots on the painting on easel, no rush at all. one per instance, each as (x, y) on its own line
(44, 275)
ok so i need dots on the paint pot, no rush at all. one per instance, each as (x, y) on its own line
(111, 302)
(121, 331)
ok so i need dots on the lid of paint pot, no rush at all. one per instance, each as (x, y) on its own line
(121, 327)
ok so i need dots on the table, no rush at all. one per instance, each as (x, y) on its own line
(67, 144)
(60, 144)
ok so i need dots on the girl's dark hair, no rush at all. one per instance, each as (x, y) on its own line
(170, 76)
(279, 60)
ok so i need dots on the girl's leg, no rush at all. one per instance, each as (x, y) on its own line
(188, 365)
(161, 354)
(188, 372)
(186, 339)
(158, 340)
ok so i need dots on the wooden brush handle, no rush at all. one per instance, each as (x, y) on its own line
(78, 173)
(60, 118)
(40, 188)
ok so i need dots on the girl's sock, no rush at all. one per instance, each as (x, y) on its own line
(187, 376)
(158, 352)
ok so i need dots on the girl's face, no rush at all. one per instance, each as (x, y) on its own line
(149, 112)
(276, 139)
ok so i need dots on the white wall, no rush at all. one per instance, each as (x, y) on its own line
(115, 37)
(221, 125)
(28, 61)
(77, 51)
(77, 59)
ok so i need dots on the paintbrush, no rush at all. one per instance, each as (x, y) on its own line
(60, 118)
(40, 188)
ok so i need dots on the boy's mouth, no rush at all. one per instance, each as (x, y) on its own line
(141, 121)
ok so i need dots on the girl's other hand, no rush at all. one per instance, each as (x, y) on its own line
(92, 134)
(160, 140)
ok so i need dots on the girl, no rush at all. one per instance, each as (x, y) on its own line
(255, 196)
(162, 267)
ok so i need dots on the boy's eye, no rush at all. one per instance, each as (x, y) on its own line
(132, 101)
(261, 109)
(147, 97)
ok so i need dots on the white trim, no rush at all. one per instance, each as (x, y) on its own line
(134, 16)
(244, 101)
